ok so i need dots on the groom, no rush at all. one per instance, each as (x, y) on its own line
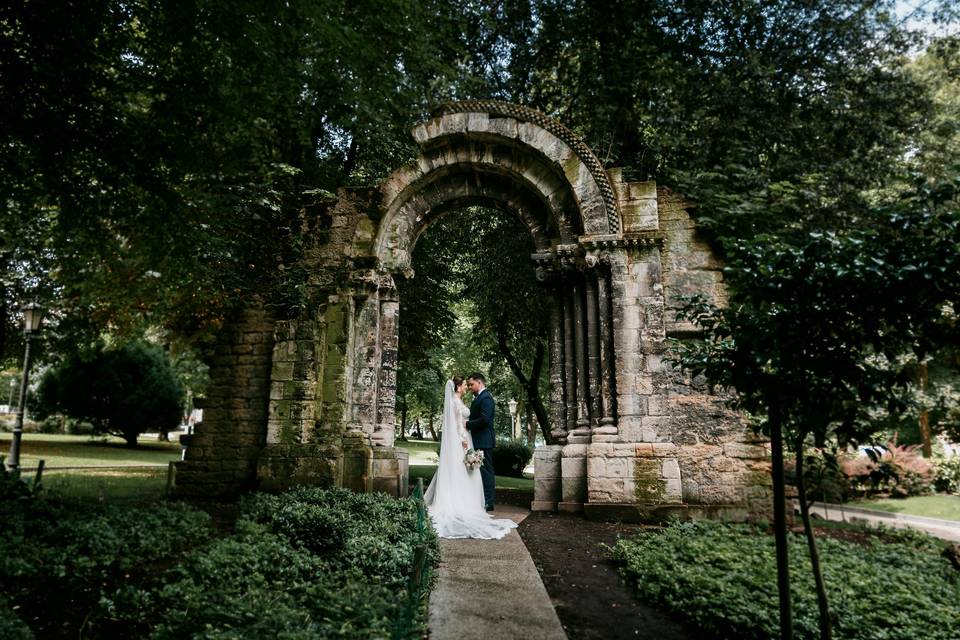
(480, 424)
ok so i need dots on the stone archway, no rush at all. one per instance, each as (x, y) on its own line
(633, 433)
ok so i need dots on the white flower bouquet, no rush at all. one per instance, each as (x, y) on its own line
(473, 458)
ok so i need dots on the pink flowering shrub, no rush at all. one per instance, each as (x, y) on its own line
(895, 469)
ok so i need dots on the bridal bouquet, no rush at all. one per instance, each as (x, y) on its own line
(473, 458)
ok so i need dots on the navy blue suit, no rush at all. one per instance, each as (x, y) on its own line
(480, 424)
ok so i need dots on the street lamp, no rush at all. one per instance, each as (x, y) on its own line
(32, 316)
(513, 417)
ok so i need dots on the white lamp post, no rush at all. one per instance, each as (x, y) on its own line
(513, 417)
(32, 316)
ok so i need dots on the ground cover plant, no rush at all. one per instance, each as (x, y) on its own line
(310, 563)
(722, 578)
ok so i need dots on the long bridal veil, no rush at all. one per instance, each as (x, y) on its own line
(455, 496)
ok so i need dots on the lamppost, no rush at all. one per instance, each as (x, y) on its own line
(513, 417)
(32, 315)
(13, 384)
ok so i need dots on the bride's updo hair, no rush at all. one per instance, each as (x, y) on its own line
(457, 381)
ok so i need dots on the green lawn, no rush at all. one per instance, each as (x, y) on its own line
(426, 472)
(82, 451)
(146, 485)
(423, 464)
(946, 507)
(422, 452)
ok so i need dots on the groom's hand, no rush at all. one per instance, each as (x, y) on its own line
(463, 444)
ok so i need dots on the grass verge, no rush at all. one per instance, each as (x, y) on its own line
(943, 506)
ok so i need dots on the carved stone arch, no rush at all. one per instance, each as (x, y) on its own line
(501, 153)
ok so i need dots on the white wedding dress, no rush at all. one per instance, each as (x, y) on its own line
(454, 498)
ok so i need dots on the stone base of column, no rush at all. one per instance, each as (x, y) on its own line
(542, 505)
(546, 478)
(282, 466)
(390, 471)
(570, 507)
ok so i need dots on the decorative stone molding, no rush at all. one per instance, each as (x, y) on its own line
(527, 114)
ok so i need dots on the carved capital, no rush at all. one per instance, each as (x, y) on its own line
(364, 283)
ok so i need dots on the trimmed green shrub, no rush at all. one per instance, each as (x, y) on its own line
(722, 578)
(511, 457)
(947, 475)
(310, 563)
(330, 563)
(123, 391)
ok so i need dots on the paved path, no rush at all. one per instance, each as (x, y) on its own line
(945, 529)
(490, 589)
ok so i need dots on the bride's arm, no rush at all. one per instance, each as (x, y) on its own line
(461, 424)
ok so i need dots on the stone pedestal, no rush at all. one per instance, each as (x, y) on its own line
(573, 478)
(282, 466)
(546, 478)
(390, 470)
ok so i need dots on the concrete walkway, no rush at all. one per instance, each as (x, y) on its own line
(945, 529)
(490, 589)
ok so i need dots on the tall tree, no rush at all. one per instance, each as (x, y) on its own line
(176, 144)
(816, 331)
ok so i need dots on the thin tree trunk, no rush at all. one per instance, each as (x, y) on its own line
(3, 310)
(925, 435)
(826, 627)
(433, 432)
(403, 422)
(780, 528)
(531, 385)
(531, 430)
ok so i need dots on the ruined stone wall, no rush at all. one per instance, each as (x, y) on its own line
(221, 458)
(677, 444)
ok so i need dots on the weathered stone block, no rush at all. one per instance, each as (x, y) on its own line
(671, 469)
(740, 450)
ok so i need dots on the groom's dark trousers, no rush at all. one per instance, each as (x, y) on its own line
(480, 424)
(488, 478)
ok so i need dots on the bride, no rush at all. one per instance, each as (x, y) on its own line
(454, 498)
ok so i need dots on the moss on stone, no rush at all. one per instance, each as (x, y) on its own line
(649, 486)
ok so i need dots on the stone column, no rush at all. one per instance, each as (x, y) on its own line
(558, 409)
(593, 342)
(569, 368)
(383, 433)
(580, 357)
(608, 421)
(366, 358)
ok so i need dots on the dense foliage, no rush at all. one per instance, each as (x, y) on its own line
(511, 457)
(329, 563)
(58, 558)
(723, 579)
(122, 391)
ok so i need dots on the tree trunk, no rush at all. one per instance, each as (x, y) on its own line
(925, 436)
(403, 422)
(531, 385)
(163, 436)
(433, 432)
(531, 430)
(826, 627)
(780, 528)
